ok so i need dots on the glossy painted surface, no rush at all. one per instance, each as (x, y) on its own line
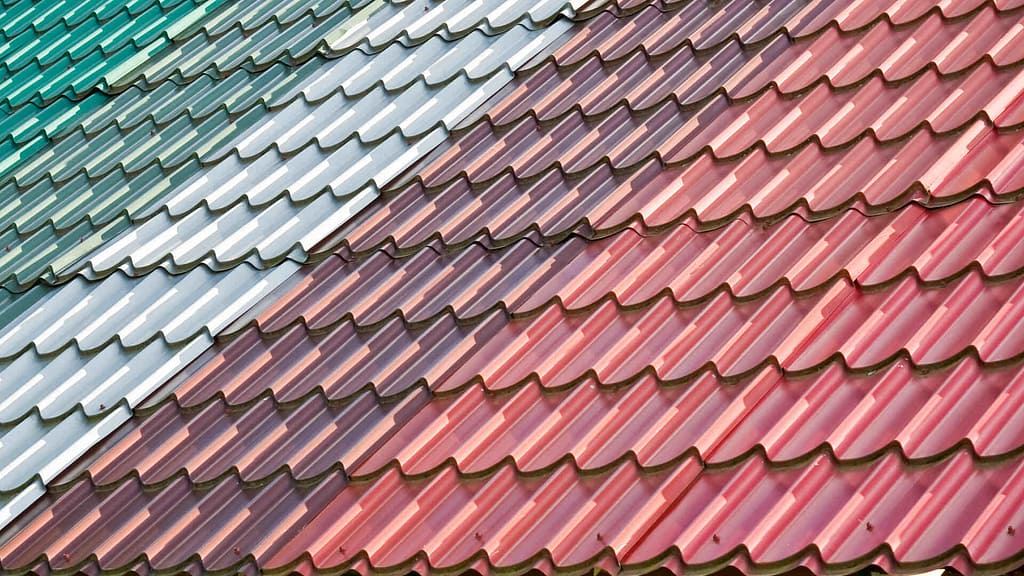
(165, 192)
(712, 286)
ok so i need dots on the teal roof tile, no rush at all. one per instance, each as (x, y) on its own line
(150, 198)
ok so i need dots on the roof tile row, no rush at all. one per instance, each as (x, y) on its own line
(787, 419)
(690, 336)
(633, 267)
(885, 512)
(139, 247)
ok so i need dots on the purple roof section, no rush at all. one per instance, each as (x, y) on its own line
(731, 286)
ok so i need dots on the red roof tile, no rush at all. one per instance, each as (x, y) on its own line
(871, 177)
(715, 286)
(731, 336)
(634, 267)
(623, 138)
(750, 513)
(609, 74)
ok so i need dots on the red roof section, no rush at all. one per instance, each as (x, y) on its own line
(714, 286)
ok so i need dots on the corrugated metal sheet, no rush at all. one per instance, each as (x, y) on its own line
(713, 285)
(199, 216)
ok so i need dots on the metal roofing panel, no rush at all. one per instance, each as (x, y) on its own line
(225, 32)
(764, 332)
(782, 417)
(74, 352)
(772, 122)
(885, 512)
(271, 165)
(813, 182)
(731, 336)
(633, 267)
(64, 395)
(212, 529)
(307, 438)
(691, 74)
(566, 519)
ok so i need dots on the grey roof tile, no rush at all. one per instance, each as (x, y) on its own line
(172, 226)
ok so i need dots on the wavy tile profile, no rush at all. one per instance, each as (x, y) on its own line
(695, 287)
(168, 196)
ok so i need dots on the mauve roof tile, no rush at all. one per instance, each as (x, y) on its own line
(934, 169)
(731, 285)
(633, 267)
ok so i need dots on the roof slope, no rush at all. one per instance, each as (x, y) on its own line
(710, 286)
(199, 180)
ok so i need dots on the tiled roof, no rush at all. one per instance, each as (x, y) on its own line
(165, 199)
(712, 285)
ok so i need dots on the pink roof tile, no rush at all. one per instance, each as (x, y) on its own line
(714, 287)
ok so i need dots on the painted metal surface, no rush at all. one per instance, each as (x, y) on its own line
(152, 221)
(732, 285)
(635, 266)
(771, 414)
(730, 336)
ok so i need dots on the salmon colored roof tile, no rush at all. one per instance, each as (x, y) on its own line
(714, 287)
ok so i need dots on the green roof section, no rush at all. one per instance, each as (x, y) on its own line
(128, 102)
(157, 184)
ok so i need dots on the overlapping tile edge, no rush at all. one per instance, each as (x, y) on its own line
(887, 557)
(158, 220)
(108, 414)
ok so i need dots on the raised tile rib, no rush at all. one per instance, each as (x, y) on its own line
(62, 47)
(268, 38)
(784, 419)
(742, 259)
(823, 514)
(314, 81)
(259, 172)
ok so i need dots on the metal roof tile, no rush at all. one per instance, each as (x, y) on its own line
(633, 267)
(140, 232)
(813, 182)
(864, 327)
(777, 124)
(595, 85)
(241, 521)
(787, 418)
(309, 437)
(208, 150)
(608, 333)
(881, 513)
